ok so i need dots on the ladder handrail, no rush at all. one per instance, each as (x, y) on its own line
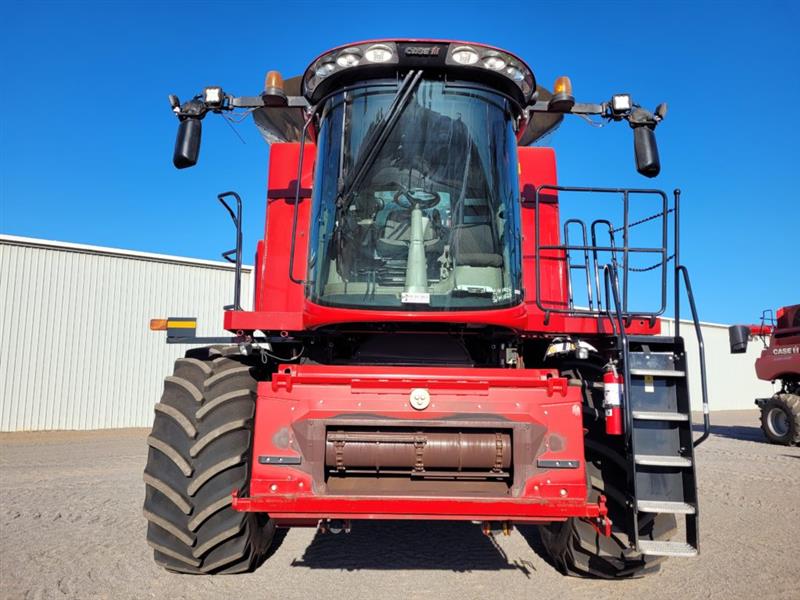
(236, 217)
(611, 280)
(682, 270)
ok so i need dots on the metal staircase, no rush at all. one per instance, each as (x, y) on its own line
(662, 449)
(655, 397)
(658, 423)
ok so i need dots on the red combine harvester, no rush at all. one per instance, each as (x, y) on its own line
(416, 350)
(779, 361)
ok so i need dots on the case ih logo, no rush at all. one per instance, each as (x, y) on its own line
(423, 51)
(789, 350)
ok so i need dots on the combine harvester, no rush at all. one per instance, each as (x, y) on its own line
(779, 361)
(416, 350)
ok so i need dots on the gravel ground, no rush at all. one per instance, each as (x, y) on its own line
(71, 527)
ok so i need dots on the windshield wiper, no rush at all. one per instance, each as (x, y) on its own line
(379, 135)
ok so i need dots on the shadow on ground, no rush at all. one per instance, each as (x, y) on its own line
(735, 432)
(404, 545)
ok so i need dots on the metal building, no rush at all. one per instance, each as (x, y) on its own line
(76, 351)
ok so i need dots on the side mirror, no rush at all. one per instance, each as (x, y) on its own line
(187, 143)
(646, 151)
(738, 335)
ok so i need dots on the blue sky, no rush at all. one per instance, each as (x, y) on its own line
(86, 133)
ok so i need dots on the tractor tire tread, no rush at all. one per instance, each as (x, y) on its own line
(199, 449)
(576, 549)
(789, 403)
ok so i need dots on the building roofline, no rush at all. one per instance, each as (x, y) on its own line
(16, 240)
(690, 322)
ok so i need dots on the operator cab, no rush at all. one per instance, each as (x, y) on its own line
(416, 197)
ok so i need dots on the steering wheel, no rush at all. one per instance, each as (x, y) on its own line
(416, 197)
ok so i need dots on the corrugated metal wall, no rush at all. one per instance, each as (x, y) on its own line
(76, 351)
(732, 383)
(75, 348)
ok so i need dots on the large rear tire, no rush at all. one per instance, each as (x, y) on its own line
(780, 419)
(200, 450)
(576, 548)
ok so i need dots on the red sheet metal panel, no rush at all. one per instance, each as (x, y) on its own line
(539, 410)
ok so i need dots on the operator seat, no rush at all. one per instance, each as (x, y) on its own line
(472, 240)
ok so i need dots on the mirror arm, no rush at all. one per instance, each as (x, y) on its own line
(620, 108)
(258, 102)
(196, 108)
(542, 106)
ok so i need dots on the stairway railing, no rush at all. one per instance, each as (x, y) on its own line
(593, 254)
(682, 274)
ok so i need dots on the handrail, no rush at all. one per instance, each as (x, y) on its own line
(297, 200)
(611, 281)
(237, 251)
(681, 270)
(626, 250)
(702, 352)
(595, 250)
(571, 266)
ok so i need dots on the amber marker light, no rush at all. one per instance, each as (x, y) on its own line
(274, 94)
(563, 85)
(562, 100)
(158, 324)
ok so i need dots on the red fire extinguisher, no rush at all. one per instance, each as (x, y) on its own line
(612, 400)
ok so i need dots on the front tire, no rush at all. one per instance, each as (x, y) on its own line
(577, 549)
(780, 419)
(200, 451)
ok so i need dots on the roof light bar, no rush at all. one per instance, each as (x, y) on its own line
(439, 55)
(347, 58)
(491, 59)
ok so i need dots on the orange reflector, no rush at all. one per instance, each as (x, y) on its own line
(780, 313)
(563, 86)
(158, 324)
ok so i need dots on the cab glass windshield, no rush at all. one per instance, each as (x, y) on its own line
(416, 202)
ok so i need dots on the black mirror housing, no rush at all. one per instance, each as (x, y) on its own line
(646, 151)
(738, 335)
(187, 143)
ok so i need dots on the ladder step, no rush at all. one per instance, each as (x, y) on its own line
(648, 415)
(657, 373)
(654, 460)
(659, 548)
(665, 506)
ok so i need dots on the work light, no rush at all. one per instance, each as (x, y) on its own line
(465, 55)
(213, 96)
(620, 103)
(494, 62)
(349, 57)
(379, 53)
(515, 74)
(325, 69)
